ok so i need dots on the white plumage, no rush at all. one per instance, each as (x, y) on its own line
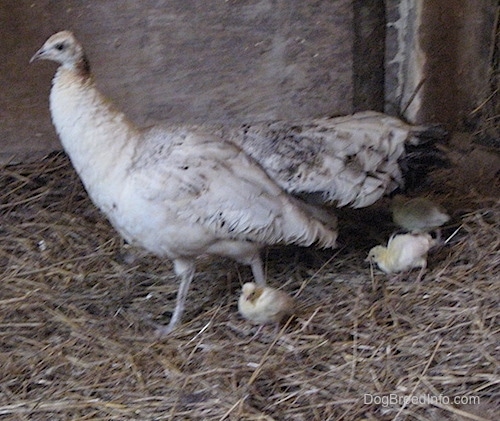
(344, 161)
(403, 252)
(177, 192)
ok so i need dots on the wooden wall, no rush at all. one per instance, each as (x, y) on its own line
(239, 60)
(439, 58)
(181, 60)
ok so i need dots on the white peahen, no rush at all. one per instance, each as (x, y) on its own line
(177, 192)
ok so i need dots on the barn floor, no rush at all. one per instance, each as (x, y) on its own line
(77, 308)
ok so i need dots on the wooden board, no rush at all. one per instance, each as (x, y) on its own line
(180, 60)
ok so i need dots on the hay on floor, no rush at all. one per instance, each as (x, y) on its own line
(77, 309)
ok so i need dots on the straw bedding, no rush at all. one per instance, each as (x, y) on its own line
(77, 308)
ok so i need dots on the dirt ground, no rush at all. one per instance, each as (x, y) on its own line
(77, 307)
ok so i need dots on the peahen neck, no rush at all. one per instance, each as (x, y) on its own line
(98, 138)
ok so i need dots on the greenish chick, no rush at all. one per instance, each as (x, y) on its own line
(418, 214)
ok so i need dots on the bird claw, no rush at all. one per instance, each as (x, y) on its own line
(420, 274)
(162, 331)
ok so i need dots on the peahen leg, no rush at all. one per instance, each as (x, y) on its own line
(185, 269)
(257, 270)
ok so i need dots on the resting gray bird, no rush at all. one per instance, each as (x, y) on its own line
(344, 161)
(177, 192)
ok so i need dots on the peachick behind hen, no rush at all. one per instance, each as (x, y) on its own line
(177, 192)
(418, 214)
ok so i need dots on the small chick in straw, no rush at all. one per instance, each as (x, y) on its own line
(262, 304)
(403, 252)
